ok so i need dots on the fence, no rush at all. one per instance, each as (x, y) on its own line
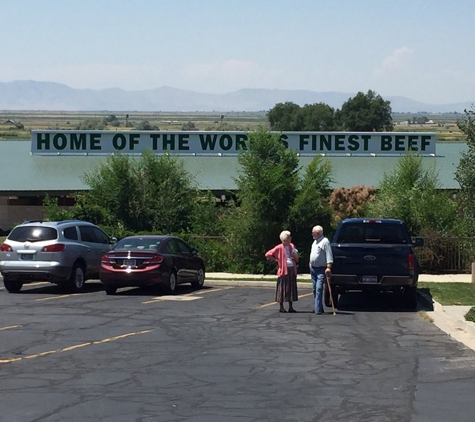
(447, 254)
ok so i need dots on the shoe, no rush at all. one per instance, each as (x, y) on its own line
(283, 311)
(292, 311)
(319, 313)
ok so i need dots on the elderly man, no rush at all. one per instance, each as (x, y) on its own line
(321, 260)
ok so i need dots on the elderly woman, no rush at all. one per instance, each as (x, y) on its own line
(287, 258)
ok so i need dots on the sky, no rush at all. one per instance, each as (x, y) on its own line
(420, 49)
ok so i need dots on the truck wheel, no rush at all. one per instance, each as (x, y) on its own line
(410, 297)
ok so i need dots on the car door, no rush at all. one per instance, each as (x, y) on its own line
(178, 260)
(98, 243)
(191, 263)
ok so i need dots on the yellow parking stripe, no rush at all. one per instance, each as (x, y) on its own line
(55, 297)
(10, 327)
(199, 293)
(73, 347)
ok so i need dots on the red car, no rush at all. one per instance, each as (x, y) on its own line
(137, 261)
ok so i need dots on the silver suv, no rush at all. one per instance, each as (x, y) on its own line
(66, 253)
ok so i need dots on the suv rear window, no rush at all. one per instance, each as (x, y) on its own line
(372, 233)
(33, 234)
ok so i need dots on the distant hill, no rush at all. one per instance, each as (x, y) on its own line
(32, 95)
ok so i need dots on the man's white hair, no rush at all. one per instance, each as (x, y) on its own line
(318, 229)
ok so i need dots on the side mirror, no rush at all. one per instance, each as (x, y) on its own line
(194, 251)
(113, 240)
(418, 241)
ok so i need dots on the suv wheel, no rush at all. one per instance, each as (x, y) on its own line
(12, 286)
(77, 279)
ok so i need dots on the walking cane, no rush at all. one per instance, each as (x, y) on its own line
(330, 293)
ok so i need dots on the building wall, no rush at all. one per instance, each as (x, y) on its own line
(11, 215)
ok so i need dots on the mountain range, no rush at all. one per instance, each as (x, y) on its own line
(51, 96)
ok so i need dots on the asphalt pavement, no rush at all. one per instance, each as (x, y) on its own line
(450, 319)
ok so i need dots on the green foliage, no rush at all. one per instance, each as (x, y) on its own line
(145, 125)
(267, 188)
(413, 194)
(450, 293)
(282, 115)
(311, 117)
(365, 113)
(52, 211)
(150, 193)
(91, 124)
(465, 173)
(311, 206)
(189, 125)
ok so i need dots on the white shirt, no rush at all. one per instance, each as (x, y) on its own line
(321, 253)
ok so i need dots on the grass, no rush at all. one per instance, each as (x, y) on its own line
(452, 294)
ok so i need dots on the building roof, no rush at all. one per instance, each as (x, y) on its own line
(22, 173)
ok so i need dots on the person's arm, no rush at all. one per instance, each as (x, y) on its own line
(271, 254)
(329, 258)
(295, 254)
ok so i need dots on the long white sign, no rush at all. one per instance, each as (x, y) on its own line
(83, 142)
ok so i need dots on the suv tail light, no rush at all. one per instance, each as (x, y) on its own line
(6, 248)
(410, 261)
(57, 247)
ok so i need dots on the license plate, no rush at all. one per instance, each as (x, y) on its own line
(26, 257)
(370, 279)
(129, 262)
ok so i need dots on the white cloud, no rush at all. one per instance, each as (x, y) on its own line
(395, 62)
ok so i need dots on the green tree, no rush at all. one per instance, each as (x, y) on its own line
(149, 193)
(310, 117)
(266, 190)
(465, 173)
(311, 206)
(284, 116)
(317, 117)
(413, 194)
(365, 113)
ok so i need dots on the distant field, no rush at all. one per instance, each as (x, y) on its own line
(164, 121)
(443, 124)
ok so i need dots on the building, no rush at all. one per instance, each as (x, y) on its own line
(28, 173)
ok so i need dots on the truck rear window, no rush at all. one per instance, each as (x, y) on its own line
(372, 233)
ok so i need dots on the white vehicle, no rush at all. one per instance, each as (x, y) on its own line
(66, 253)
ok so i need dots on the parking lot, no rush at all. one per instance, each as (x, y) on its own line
(223, 353)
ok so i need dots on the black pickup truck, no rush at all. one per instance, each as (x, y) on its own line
(374, 255)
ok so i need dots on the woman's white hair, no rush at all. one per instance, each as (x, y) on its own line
(284, 235)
